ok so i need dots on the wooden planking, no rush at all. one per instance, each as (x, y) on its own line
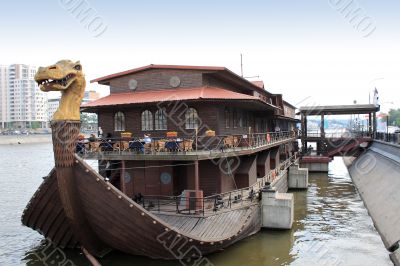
(139, 236)
(36, 199)
(212, 227)
(125, 229)
(45, 214)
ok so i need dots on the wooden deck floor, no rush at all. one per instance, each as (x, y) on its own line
(211, 228)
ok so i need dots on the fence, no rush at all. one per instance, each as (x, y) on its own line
(217, 202)
(388, 137)
(162, 145)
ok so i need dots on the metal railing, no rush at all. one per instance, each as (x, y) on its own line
(339, 134)
(185, 145)
(388, 137)
(217, 202)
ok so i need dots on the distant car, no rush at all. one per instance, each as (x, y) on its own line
(397, 131)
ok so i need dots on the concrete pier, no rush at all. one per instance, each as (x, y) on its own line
(277, 209)
(315, 163)
(298, 177)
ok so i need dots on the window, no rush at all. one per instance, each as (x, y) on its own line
(192, 119)
(240, 119)
(227, 120)
(235, 119)
(245, 119)
(147, 120)
(119, 121)
(161, 119)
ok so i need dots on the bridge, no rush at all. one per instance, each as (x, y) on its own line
(331, 144)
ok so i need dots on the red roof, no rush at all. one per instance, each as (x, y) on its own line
(259, 83)
(209, 93)
(136, 70)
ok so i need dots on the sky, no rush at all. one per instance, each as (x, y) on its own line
(313, 51)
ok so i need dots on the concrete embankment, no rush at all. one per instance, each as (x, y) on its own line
(25, 139)
(376, 174)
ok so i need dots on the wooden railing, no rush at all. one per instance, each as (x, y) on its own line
(187, 145)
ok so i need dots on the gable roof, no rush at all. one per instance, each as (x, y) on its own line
(259, 83)
(223, 71)
(148, 67)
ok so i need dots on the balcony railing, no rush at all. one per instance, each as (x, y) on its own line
(219, 202)
(186, 146)
(339, 134)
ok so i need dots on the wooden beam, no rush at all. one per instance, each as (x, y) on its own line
(322, 125)
(196, 176)
(122, 177)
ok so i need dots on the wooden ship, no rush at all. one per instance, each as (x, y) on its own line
(169, 183)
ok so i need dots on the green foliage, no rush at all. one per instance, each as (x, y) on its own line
(394, 117)
(35, 125)
(88, 118)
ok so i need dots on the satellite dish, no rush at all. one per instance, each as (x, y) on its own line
(175, 82)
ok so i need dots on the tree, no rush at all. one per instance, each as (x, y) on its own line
(394, 117)
(87, 118)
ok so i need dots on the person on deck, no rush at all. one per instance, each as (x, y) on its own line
(147, 139)
(100, 132)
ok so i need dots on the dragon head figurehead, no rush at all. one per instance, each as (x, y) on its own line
(65, 76)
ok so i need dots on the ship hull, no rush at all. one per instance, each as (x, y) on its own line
(119, 223)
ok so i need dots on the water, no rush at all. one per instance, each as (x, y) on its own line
(331, 227)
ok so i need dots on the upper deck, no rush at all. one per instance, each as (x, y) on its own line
(187, 149)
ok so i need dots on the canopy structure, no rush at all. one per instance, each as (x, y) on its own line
(305, 111)
(339, 109)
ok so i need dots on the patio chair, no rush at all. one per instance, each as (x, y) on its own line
(136, 146)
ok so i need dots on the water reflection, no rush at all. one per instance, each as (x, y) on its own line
(331, 225)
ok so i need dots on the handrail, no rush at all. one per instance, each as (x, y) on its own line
(388, 137)
(214, 202)
(339, 135)
(193, 143)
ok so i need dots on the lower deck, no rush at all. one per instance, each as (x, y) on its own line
(162, 178)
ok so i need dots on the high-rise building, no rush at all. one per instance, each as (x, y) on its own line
(52, 106)
(90, 96)
(25, 104)
(3, 96)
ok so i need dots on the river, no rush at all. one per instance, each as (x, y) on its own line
(331, 227)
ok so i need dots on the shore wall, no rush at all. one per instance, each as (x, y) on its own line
(376, 174)
(25, 139)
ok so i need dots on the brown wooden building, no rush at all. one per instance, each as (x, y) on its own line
(254, 129)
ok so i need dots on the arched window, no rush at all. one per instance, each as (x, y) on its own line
(161, 119)
(227, 118)
(147, 120)
(192, 119)
(119, 121)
